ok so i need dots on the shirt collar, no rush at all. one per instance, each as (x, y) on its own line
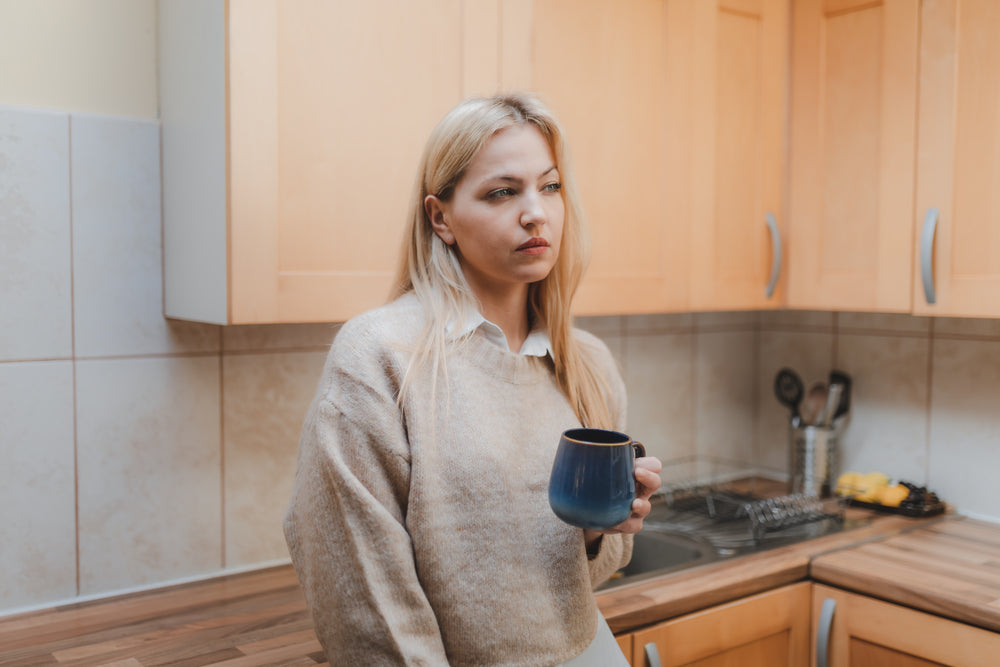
(537, 344)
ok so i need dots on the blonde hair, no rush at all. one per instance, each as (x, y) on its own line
(430, 269)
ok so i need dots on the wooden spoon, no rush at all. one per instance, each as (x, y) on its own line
(813, 403)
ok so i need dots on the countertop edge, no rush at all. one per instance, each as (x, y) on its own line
(632, 606)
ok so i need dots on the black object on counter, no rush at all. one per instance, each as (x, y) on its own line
(789, 389)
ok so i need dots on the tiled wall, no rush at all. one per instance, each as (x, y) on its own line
(136, 451)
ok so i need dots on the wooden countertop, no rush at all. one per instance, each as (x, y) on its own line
(950, 568)
(634, 605)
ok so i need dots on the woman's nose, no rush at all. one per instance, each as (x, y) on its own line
(534, 212)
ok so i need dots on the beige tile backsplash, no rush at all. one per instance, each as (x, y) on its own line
(148, 462)
(139, 451)
(266, 397)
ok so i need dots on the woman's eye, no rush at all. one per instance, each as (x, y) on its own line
(553, 187)
(500, 193)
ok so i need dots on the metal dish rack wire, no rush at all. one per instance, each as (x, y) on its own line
(731, 514)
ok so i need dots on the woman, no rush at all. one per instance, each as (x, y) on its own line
(419, 524)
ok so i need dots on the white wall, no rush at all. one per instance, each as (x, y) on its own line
(96, 56)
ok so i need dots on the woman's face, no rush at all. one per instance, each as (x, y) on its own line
(505, 216)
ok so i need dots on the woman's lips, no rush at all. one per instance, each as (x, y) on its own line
(535, 246)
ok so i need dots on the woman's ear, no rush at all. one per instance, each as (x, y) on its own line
(435, 210)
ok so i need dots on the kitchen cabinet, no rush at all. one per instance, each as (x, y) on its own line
(291, 135)
(625, 643)
(956, 270)
(600, 66)
(867, 631)
(853, 156)
(727, 83)
(766, 630)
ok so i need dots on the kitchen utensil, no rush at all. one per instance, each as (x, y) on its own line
(813, 460)
(789, 389)
(815, 400)
(832, 403)
(844, 404)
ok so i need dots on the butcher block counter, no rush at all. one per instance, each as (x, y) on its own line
(948, 565)
(949, 568)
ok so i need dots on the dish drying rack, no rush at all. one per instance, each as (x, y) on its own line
(735, 512)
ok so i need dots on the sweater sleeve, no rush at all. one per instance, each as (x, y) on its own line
(615, 550)
(346, 532)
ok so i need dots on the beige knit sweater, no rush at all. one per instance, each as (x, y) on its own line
(423, 536)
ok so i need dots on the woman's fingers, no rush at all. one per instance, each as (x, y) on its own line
(647, 474)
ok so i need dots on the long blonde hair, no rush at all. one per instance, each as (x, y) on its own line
(430, 269)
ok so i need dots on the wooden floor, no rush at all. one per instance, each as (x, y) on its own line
(258, 618)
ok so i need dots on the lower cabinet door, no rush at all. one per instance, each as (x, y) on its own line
(625, 644)
(860, 631)
(770, 629)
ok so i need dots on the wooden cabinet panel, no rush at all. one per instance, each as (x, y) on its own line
(728, 67)
(959, 156)
(625, 643)
(869, 632)
(309, 136)
(600, 67)
(853, 122)
(766, 630)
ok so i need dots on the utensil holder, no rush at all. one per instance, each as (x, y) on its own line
(814, 460)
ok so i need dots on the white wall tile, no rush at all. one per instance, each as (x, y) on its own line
(796, 319)
(887, 430)
(259, 337)
(738, 319)
(725, 387)
(35, 303)
(883, 322)
(117, 258)
(658, 323)
(608, 329)
(966, 327)
(610, 325)
(37, 510)
(658, 374)
(150, 497)
(965, 425)
(810, 355)
(266, 397)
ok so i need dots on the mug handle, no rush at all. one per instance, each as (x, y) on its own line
(638, 449)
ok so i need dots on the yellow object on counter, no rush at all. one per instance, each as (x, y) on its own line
(847, 484)
(892, 496)
(864, 487)
(869, 485)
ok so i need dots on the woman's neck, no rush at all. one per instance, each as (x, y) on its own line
(509, 311)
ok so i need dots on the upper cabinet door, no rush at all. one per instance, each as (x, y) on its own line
(600, 67)
(853, 123)
(728, 82)
(957, 259)
(330, 103)
(292, 133)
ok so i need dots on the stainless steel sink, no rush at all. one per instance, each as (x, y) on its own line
(659, 552)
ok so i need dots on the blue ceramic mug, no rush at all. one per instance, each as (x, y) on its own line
(593, 477)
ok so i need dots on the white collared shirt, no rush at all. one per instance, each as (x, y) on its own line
(537, 344)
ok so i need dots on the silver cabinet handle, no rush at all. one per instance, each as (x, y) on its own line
(823, 631)
(927, 253)
(772, 225)
(652, 655)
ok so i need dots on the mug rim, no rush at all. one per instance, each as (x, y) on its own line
(572, 435)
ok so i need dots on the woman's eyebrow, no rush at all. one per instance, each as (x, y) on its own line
(517, 179)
